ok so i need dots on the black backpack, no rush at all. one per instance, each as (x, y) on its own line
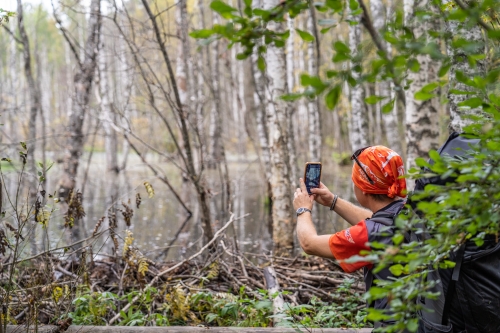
(469, 298)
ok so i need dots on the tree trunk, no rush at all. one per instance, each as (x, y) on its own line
(389, 119)
(290, 67)
(108, 120)
(186, 153)
(83, 82)
(35, 105)
(313, 104)
(459, 117)
(422, 118)
(276, 113)
(358, 122)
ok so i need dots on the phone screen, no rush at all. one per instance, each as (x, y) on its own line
(313, 176)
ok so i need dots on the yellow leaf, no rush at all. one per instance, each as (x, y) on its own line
(57, 293)
(149, 189)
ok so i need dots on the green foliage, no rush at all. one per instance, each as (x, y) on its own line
(346, 313)
(223, 309)
(463, 210)
(5, 15)
(92, 308)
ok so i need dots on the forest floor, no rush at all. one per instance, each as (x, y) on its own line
(222, 288)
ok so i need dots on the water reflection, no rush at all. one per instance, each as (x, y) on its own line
(159, 218)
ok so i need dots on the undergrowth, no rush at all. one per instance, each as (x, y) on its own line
(177, 306)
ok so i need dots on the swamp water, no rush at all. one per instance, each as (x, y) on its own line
(159, 218)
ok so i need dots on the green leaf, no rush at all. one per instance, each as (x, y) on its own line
(341, 47)
(221, 7)
(202, 33)
(307, 37)
(397, 270)
(412, 325)
(444, 69)
(398, 239)
(332, 98)
(23, 144)
(261, 64)
(473, 102)
(386, 108)
(291, 97)
(373, 99)
(413, 65)
(335, 5)
(429, 87)
(423, 96)
(330, 74)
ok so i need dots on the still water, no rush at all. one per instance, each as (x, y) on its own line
(159, 218)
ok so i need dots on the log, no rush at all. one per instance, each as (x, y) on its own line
(273, 287)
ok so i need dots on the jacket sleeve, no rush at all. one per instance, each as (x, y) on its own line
(348, 243)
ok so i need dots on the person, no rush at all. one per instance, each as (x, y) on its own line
(379, 187)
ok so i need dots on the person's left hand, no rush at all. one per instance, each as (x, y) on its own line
(301, 198)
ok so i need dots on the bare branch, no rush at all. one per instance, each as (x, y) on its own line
(66, 35)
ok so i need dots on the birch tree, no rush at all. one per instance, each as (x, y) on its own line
(83, 79)
(463, 69)
(358, 122)
(313, 104)
(390, 120)
(422, 117)
(276, 113)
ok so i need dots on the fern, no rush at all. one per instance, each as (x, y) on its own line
(178, 303)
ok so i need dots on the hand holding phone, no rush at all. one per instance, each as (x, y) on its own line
(312, 175)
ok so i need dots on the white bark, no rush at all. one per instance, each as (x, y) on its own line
(422, 118)
(260, 105)
(313, 105)
(181, 68)
(389, 119)
(358, 124)
(290, 67)
(459, 116)
(276, 113)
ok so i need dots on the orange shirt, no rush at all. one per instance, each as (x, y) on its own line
(350, 242)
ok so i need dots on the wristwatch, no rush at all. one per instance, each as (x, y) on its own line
(302, 210)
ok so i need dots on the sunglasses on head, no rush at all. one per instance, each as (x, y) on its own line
(355, 158)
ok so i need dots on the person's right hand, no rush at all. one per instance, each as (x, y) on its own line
(322, 195)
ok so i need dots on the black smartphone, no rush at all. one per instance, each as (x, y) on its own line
(312, 175)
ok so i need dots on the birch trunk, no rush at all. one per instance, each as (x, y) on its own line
(215, 120)
(276, 113)
(108, 120)
(422, 118)
(390, 119)
(290, 67)
(459, 117)
(83, 80)
(358, 122)
(313, 104)
(14, 88)
(260, 109)
(35, 105)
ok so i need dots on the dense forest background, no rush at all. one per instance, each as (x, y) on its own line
(102, 95)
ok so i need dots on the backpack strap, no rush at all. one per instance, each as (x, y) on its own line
(452, 285)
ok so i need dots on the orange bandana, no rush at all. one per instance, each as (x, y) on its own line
(385, 168)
